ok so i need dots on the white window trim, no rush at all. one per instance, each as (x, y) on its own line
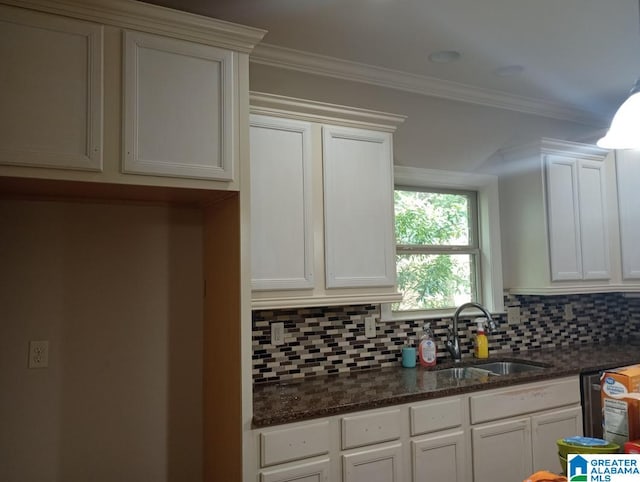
(486, 186)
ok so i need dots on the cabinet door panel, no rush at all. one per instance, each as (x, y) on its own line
(305, 472)
(178, 108)
(628, 177)
(593, 220)
(358, 203)
(563, 216)
(441, 458)
(50, 91)
(547, 429)
(373, 465)
(502, 451)
(281, 224)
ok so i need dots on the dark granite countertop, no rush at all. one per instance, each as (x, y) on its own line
(304, 399)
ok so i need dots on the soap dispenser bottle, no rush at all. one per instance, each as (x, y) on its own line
(427, 348)
(482, 344)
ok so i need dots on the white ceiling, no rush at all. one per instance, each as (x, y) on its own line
(582, 54)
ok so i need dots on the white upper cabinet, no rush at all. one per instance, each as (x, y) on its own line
(50, 91)
(322, 228)
(358, 207)
(179, 108)
(628, 177)
(281, 223)
(564, 218)
(140, 95)
(594, 222)
(578, 224)
(559, 219)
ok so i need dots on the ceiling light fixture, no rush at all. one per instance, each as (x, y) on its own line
(624, 132)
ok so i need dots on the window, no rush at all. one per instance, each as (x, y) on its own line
(437, 248)
(482, 249)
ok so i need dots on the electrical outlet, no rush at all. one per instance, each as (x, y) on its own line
(39, 354)
(277, 333)
(568, 312)
(513, 315)
(370, 327)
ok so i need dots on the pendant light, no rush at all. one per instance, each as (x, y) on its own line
(624, 132)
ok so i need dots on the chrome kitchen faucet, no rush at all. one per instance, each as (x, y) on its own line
(453, 342)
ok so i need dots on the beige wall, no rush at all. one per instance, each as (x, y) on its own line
(116, 289)
(438, 133)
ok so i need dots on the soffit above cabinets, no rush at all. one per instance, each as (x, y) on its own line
(562, 48)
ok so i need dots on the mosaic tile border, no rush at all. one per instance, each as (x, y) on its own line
(327, 340)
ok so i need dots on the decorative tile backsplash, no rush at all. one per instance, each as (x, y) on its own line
(326, 340)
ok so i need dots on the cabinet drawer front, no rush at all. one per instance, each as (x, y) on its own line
(435, 416)
(524, 399)
(294, 443)
(371, 428)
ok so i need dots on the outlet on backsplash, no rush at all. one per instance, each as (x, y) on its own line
(370, 327)
(513, 315)
(277, 333)
(568, 312)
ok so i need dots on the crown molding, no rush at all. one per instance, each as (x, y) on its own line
(313, 111)
(153, 19)
(281, 57)
(548, 146)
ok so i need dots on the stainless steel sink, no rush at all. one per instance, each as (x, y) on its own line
(509, 367)
(463, 373)
(488, 369)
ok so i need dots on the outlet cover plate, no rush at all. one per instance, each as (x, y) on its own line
(370, 327)
(39, 354)
(277, 333)
(513, 315)
(568, 312)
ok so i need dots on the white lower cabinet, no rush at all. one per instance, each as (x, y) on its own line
(546, 429)
(381, 462)
(502, 451)
(440, 442)
(515, 430)
(378, 464)
(440, 457)
(316, 471)
(293, 443)
(500, 435)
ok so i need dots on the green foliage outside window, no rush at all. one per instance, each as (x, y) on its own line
(435, 254)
